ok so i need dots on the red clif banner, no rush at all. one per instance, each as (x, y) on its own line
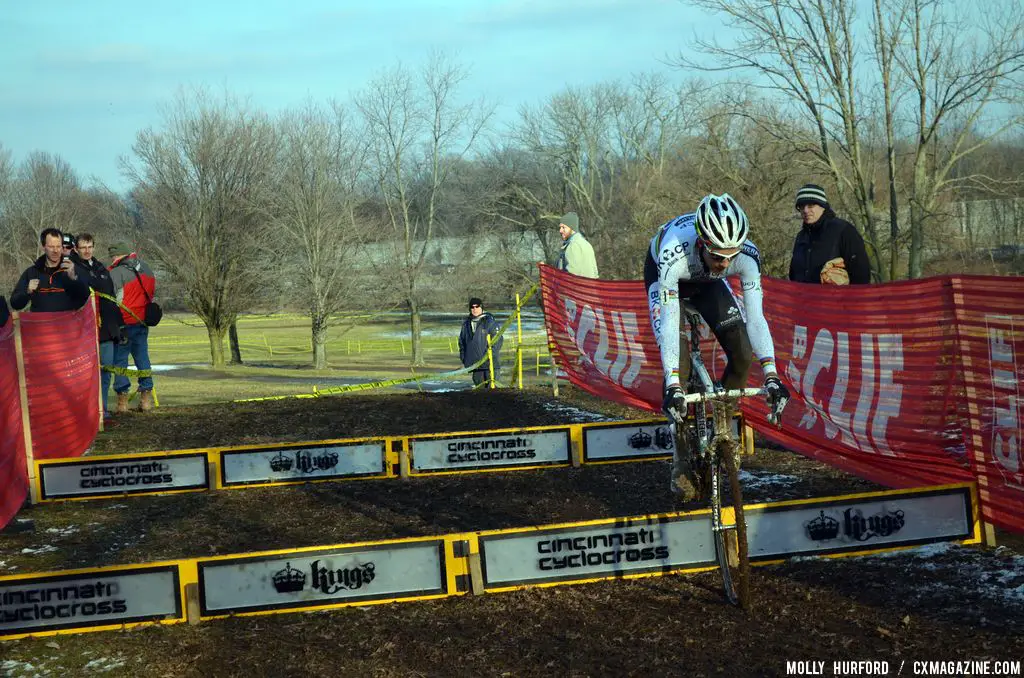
(13, 475)
(62, 374)
(905, 384)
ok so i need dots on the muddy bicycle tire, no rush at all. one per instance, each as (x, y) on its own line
(736, 577)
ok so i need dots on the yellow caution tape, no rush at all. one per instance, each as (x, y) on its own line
(336, 390)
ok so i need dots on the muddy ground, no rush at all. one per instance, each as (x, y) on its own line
(925, 605)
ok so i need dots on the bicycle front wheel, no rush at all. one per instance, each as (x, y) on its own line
(731, 544)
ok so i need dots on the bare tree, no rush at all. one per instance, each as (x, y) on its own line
(8, 249)
(202, 182)
(953, 61)
(417, 131)
(960, 61)
(314, 208)
(45, 192)
(807, 51)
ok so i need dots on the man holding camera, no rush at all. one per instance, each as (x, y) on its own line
(53, 282)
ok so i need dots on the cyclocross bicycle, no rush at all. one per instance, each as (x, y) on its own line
(715, 454)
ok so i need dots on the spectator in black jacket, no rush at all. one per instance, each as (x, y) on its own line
(828, 250)
(5, 313)
(108, 317)
(477, 326)
(53, 282)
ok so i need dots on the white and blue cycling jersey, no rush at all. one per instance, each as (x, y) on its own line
(675, 268)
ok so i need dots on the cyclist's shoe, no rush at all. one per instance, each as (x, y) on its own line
(681, 486)
(683, 481)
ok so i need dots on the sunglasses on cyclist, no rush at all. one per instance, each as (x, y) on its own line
(715, 256)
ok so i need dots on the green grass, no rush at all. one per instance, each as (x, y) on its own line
(278, 358)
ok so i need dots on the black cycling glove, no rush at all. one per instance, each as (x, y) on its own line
(673, 401)
(778, 396)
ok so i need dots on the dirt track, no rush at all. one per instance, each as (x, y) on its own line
(939, 603)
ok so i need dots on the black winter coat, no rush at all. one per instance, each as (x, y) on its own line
(5, 313)
(109, 315)
(473, 345)
(823, 241)
(56, 291)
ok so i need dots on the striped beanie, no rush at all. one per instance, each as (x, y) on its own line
(811, 193)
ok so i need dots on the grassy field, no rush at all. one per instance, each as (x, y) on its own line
(277, 355)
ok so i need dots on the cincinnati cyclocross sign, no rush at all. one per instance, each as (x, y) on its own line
(73, 601)
(518, 557)
(491, 450)
(140, 474)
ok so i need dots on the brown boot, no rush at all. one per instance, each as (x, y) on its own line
(145, 401)
(122, 403)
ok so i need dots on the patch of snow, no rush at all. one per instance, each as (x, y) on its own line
(762, 479)
(104, 664)
(997, 575)
(576, 414)
(45, 548)
(62, 531)
(16, 669)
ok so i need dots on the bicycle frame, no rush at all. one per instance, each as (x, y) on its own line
(715, 447)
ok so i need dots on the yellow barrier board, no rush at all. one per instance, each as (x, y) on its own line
(94, 599)
(273, 464)
(528, 447)
(494, 561)
(292, 463)
(327, 577)
(123, 474)
(573, 553)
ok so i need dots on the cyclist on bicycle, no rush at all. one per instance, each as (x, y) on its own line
(690, 258)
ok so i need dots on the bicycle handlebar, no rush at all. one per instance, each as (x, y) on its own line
(690, 398)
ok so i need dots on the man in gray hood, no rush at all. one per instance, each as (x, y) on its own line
(577, 255)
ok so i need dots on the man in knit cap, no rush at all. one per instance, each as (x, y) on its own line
(827, 250)
(577, 255)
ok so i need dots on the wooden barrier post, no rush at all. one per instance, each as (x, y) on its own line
(99, 391)
(554, 371)
(26, 427)
(576, 445)
(748, 441)
(519, 342)
(404, 463)
(192, 609)
(490, 361)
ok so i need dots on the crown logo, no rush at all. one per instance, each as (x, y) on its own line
(663, 438)
(280, 463)
(289, 580)
(640, 440)
(822, 528)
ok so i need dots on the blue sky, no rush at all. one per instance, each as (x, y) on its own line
(82, 78)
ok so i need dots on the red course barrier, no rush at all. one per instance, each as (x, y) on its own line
(62, 381)
(907, 383)
(13, 476)
(62, 375)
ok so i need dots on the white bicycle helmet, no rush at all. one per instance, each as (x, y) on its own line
(721, 222)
